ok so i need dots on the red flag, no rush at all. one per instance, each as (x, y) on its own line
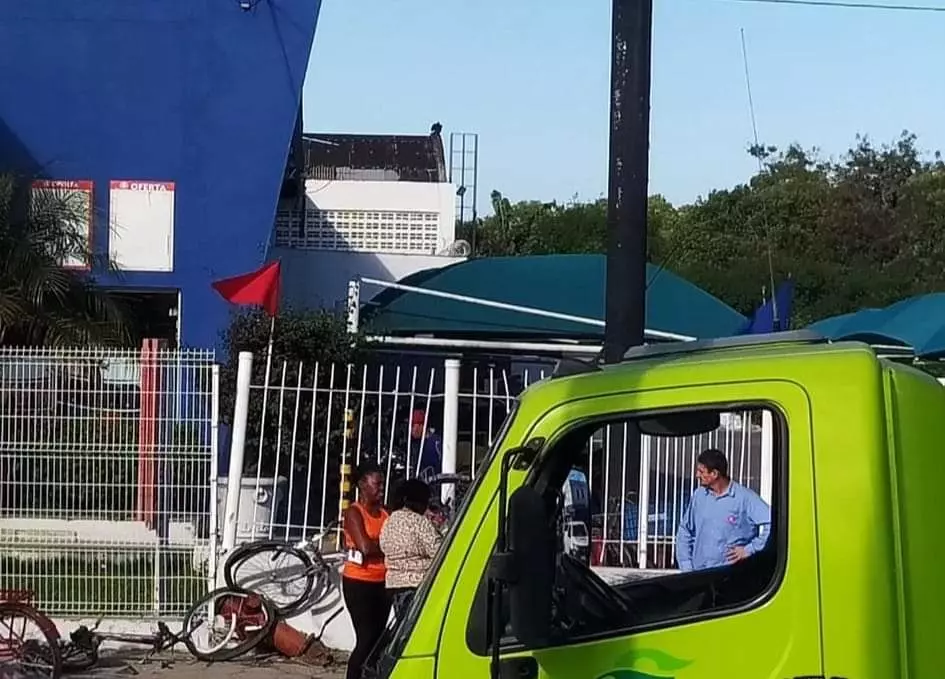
(260, 288)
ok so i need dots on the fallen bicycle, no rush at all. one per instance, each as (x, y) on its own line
(222, 625)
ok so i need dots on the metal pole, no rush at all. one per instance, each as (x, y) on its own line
(588, 350)
(643, 503)
(475, 204)
(532, 311)
(344, 478)
(629, 166)
(451, 368)
(213, 532)
(234, 476)
(462, 183)
(767, 455)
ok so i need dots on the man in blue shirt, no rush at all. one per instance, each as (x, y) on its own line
(430, 464)
(725, 522)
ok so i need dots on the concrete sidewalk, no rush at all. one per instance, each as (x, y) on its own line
(183, 666)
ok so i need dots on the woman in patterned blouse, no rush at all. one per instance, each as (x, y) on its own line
(409, 541)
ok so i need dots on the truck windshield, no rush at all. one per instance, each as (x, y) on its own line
(395, 637)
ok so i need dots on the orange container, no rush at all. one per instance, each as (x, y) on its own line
(289, 641)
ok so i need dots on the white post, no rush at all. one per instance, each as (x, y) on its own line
(234, 477)
(450, 421)
(213, 533)
(353, 307)
(767, 454)
(643, 503)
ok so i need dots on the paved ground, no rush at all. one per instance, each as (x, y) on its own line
(183, 666)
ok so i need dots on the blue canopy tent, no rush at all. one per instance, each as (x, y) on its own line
(915, 325)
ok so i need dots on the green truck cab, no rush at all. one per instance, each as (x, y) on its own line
(848, 584)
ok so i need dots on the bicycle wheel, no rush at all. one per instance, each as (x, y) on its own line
(29, 643)
(282, 573)
(226, 623)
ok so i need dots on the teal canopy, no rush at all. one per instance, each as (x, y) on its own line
(917, 324)
(568, 284)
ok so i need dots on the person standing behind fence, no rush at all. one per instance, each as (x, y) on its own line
(725, 522)
(362, 581)
(430, 444)
(409, 541)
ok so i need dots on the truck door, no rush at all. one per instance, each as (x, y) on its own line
(635, 614)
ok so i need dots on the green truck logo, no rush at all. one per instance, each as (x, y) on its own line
(646, 664)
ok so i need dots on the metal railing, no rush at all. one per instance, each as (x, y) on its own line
(107, 471)
(624, 535)
(307, 422)
(109, 486)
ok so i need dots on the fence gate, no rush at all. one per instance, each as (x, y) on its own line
(107, 478)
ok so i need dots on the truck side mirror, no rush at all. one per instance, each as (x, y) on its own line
(523, 563)
(532, 539)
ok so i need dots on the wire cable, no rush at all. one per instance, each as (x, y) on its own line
(761, 169)
(847, 4)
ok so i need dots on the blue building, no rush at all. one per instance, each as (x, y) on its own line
(201, 97)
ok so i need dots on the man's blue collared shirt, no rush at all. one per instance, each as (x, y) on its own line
(712, 524)
(431, 457)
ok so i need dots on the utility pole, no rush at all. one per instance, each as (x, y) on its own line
(629, 174)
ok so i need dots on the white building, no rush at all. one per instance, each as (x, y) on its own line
(378, 206)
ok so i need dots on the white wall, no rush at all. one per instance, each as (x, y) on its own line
(319, 278)
(389, 196)
(371, 216)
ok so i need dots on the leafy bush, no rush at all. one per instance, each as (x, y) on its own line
(305, 343)
(41, 301)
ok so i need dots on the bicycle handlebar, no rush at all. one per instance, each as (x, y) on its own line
(316, 539)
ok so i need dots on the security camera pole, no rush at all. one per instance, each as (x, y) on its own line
(629, 174)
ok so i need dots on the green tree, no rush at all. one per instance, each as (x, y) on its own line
(575, 227)
(307, 345)
(41, 301)
(864, 230)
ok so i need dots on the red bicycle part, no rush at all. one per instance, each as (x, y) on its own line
(30, 655)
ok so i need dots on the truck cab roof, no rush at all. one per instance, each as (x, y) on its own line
(794, 356)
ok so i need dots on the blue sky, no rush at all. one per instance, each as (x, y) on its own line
(532, 78)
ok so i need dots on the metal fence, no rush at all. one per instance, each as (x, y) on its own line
(109, 485)
(107, 472)
(305, 420)
(296, 444)
(625, 535)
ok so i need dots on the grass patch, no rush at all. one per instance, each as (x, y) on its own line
(115, 581)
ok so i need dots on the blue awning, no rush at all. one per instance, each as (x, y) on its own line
(916, 324)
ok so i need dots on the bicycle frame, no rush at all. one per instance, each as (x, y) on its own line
(89, 640)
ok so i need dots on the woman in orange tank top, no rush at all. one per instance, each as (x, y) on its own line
(362, 580)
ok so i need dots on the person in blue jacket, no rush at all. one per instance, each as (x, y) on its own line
(724, 523)
(431, 448)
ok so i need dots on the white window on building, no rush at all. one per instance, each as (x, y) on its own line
(389, 231)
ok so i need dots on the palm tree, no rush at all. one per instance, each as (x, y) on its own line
(42, 302)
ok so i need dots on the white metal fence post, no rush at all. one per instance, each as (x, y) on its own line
(450, 421)
(212, 532)
(643, 503)
(234, 476)
(767, 454)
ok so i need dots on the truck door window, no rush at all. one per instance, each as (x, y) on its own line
(682, 526)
